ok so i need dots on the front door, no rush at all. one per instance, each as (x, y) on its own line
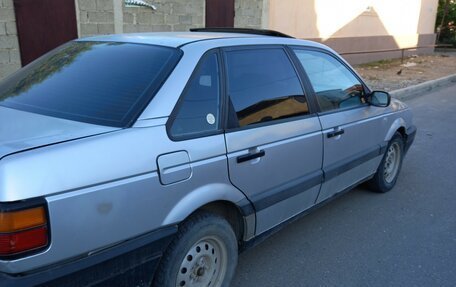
(219, 13)
(273, 140)
(352, 130)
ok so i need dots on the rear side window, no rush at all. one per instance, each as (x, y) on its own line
(263, 86)
(198, 111)
(96, 82)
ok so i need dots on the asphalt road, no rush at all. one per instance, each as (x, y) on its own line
(406, 237)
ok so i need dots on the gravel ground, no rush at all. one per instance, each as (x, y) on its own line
(391, 75)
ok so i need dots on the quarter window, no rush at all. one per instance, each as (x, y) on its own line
(262, 86)
(335, 86)
(198, 111)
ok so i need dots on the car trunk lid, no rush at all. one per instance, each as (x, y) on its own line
(20, 131)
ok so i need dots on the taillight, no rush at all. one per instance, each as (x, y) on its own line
(23, 228)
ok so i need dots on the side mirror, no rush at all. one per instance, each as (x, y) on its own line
(379, 99)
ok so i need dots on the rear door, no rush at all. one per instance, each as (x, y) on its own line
(273, 139)
(353, 131)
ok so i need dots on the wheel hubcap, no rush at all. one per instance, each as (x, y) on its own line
(205, 264)
(392, 162)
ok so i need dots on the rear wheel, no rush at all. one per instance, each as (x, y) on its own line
(203, 253)
(386, 176)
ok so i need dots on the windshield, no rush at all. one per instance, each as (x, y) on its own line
(102, 83)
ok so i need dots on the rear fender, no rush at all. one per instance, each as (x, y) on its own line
(202, 196)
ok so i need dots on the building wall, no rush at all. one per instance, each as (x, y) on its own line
(358, 25)
(171, 15)
(346, 26)
(248, 13)
(10, 59)
(95, 17)
(112, 16)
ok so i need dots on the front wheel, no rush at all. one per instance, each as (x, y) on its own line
(386, 176)
(203, 253)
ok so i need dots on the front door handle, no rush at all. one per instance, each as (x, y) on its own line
(336, 133)
(250, 156)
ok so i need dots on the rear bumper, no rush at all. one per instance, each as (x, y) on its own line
(411, 132)
(131, 263)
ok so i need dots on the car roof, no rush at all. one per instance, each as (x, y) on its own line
(179, 39)
(169, 39)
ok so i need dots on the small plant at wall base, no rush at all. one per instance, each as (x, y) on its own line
(446, 22)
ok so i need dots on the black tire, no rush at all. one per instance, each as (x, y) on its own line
(383, 181)
(203, 244)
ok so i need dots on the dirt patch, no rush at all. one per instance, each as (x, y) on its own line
(391, 75)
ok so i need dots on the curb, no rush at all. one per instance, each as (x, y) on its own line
(422, 88)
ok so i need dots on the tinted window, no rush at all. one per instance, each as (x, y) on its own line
(199, 108)
(100, 83)
(263, 86)
(335, 86)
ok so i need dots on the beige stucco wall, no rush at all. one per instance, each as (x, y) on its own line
(404, 20)
(10, 59)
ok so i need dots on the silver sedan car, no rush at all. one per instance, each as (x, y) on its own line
(155, 158)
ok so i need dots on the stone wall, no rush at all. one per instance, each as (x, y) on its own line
(10, 59)
(171, 15)
(95, 17)
(249, 13)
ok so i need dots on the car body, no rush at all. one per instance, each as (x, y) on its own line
(118, 157)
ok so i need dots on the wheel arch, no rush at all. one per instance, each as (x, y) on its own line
(398, 126)
(229, 211)
(220, 199)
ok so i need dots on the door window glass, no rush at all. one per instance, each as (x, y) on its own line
(334, 85)
(198, 111)
(263, 86)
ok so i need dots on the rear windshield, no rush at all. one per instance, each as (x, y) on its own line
(102, 83)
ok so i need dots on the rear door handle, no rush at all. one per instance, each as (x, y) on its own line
(336, 133)
(250, 156)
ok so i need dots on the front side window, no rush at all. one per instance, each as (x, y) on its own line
(198, 110)
(263, 86)
(105, 83)
(334, 85)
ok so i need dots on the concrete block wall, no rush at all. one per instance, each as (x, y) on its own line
(171, 15)
(10, 59)
(95, 17)
(249, 13)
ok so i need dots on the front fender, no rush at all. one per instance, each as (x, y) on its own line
(397, 124)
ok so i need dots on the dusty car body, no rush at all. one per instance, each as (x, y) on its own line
(120, 167)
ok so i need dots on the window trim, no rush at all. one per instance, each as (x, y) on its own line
(307, 79)
(312, 109)
(307, 86)
(180, 101)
